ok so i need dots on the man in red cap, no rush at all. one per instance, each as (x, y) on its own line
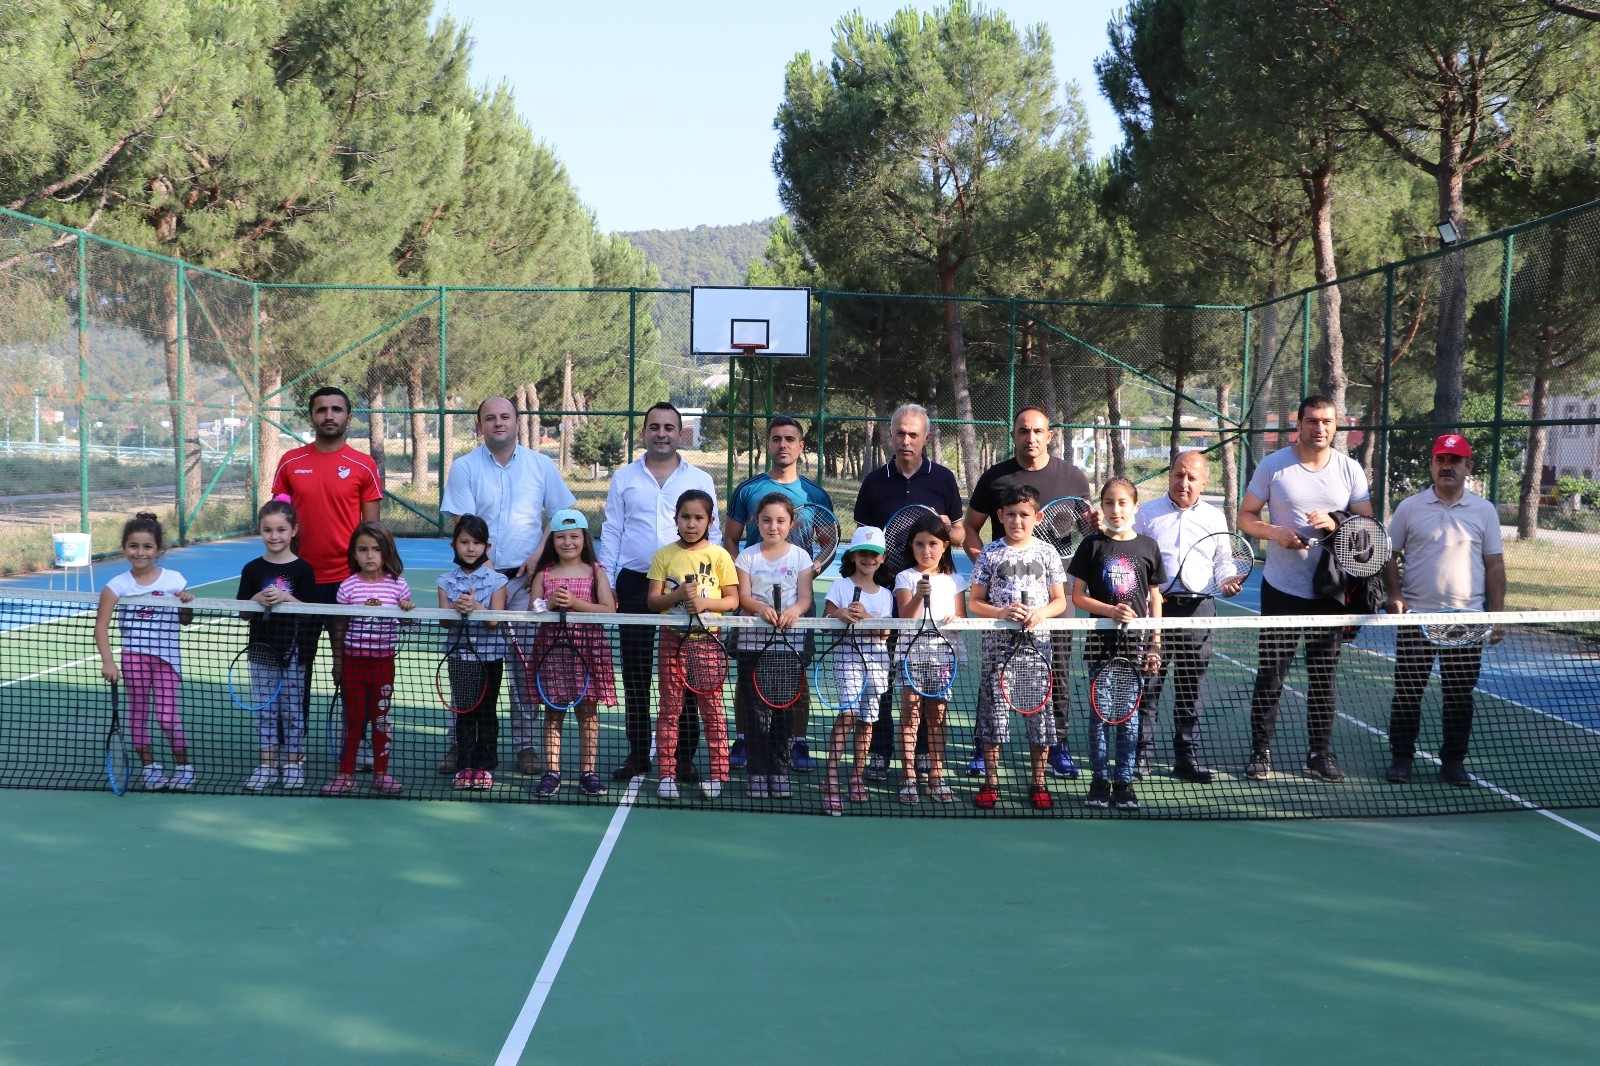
(1454, 562)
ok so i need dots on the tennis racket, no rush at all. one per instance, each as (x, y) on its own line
(462, 677)
(839, 674)
(1456, 634)
(779, 671)
(264, 652)
(701, 664)
(119, 757)
(929, 665)
(1118, 682)
(562, 676)
(1064, 523)
(1024, 677)
(816, 531)
(1360, 546)
(897, 534)
(335, 727)
(1215, 565)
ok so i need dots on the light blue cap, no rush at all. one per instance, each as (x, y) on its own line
(568, 518)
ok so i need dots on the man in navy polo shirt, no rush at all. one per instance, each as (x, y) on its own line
(908, 478)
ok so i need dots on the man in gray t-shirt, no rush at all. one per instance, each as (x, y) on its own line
(1300, 487)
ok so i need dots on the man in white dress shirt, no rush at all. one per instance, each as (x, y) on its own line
(513, 489)
(1176, 522)
(640, 508)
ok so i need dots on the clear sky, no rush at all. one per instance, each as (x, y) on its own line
(662, 112)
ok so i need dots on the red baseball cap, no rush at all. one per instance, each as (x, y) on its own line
(1452, 444)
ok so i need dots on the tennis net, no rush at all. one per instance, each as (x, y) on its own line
(1533, 740)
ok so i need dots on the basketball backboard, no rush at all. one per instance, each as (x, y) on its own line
(727, 320)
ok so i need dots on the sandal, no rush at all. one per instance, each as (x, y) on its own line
(908, 794)
(858, 790)
(940, 792)
(830, 800)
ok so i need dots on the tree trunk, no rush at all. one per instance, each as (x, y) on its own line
(1119, 447)
(1533, 461)
(880, 399)
(1179, 376)
(1260, 388)
(1449, 387)
(180, 389)
(567, 421)
(1330, 375)
(521, 400)
(267, 451)
(535, 429)
(1047, 378)
(419, 426)
(1230, 461)
(377, 430)
(966, 432)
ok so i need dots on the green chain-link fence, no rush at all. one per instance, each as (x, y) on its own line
(133, 382)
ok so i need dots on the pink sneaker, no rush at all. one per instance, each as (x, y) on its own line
(483, 781)
(386, 784)
(339, 786)
(465, 779)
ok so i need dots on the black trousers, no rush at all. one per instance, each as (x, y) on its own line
(1458, 671)
(1277, 649)
(478, 731)
(638, 669)
(311, 632)
(1185, 655)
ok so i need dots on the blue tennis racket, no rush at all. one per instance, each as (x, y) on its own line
(562, 676)
(119, 757)
(258, 672)
(839, 674)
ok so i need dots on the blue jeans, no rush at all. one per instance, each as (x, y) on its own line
(1099, 742)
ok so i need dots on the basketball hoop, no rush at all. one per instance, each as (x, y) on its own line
(748, 348)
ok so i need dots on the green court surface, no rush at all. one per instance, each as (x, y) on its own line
(164, 928)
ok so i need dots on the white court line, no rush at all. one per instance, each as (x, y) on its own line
(53, 669)
(517, 1040)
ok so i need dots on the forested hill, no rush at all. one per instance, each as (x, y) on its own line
(705, 255)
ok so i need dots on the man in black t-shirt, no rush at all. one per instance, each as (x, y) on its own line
(1031, 464)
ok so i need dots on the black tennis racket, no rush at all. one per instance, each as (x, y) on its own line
(335, 726)
(929, 665)
(701, 664)
(562, 675)
(461, 678)
(1024, 677)
(839, 673)
(1461, 634)
(1118, 681)
(266, 657)
(1217, 564)
(119, 757)
(897, 534)
(779, 672)
(1064, 523)
(1360, 546)
(816, 531)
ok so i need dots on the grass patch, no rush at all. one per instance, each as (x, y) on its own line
(1541, 576)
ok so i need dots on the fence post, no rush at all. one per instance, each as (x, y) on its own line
(180, 409)
(444, 370)
(255, 404)
(1246, 416)
(1500, 370)
(822, 387)
(83, 387)
(633, 363)
(733, 444)
(1011, 365)
(1305, 346)
(1381, 474)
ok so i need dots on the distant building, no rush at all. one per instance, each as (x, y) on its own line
(1571, 450)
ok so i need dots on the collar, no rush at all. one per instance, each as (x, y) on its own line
(516, 451)
(890, 470)
(1433, 497)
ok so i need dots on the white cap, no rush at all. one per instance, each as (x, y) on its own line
(866, 539)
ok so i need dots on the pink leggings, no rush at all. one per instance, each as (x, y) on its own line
(152, 685)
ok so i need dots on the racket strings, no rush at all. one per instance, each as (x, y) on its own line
(702, 663)
(1115, 690)
(562, 676)
(779, 675)
(1025, 680)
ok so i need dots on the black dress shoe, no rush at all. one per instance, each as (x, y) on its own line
(630, 768)
(1194, 773)
(687, 774)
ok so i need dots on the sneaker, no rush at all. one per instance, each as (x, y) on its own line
(262, 777)
(464, 779)
(482, 781)
(294, 776)
(736, 755)
(152, 779)
(668, 789)
(1141, 768)
(1259, 768)
(1456, 774)
(339, 786)
(591, 785)
(1099, 796)
(182, 777)
(757, 787)
(1399, 771)
(529, 762)
(1061, 764)
(924, 766)
(831, 804)
(778, 786)
(1194, 773)
(909, 794)
(548, 785)
(711, 789)
(975, 766)
(450, 763)
(389, 785)
(1322, 764)
(1041, 799)
(800, 757)
(364, 756)
(631, 768)
(1122, 797)
(986, 798)
(877, 768)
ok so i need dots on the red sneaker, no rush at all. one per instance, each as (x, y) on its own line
(986, 798)
(1041, 799)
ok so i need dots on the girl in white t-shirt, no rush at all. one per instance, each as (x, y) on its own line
(854, 597)
(931, 577)
(770, 569)
(151, 668)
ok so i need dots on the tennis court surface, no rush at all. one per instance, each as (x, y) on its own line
(221, 926)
